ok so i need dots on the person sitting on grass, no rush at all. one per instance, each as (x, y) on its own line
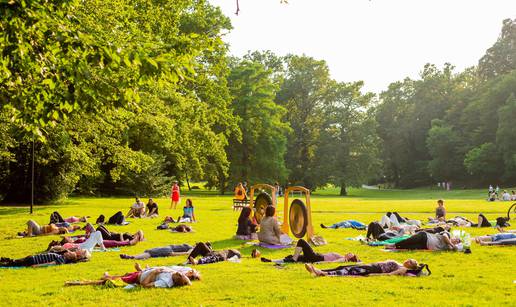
(209, 255)
(240, 192)
(137, 209)
(390, 267)
(188, 213)
(425, 240)
(34, 229)
(507, 238)
(157, 277)
(270, 232)
(346, 224)
(246, 228)
(46, 259)
(92, 240)
(440, 213)
(151, 209)
(304, 253)
(165, 251)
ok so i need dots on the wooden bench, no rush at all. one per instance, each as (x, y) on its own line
(240, 203)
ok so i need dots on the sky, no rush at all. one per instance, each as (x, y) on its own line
(376, 41)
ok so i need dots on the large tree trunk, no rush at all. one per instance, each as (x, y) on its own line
(343, 191)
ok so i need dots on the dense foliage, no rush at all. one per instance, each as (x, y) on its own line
(122, 97)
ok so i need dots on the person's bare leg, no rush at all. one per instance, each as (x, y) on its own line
(297, 252)
(483, 239)
(137, 266)
(111, 277)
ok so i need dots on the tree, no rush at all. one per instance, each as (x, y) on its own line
(500, 59)
(505, 136)
(347, 151)
(304, 94)
(484, 162)
(259, 156)
(444, 145)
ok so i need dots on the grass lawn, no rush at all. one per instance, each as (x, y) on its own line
(485, 277)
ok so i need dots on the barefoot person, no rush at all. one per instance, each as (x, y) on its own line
(157, 277)
(209, 255)
(46, 259)
(165, 251)
(389, 267)
(305, 253)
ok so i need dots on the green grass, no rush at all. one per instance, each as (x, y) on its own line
(484, 277)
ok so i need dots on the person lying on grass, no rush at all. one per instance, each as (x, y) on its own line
(89, 242)
(304, 253)
(209, 255)
(178, 228)
(393, 219)
(34, 229)
(158, 277)
(346, 224)
(113, 236)
(46, 259)
(390, 267)
(270, 232)
(165, 251)
(56, 218)
(425, 240)
(507, 238)
(246, 229)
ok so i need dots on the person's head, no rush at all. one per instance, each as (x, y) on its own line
(189, 203)
(83, 219)
(512, 192)
(270, 211)
(88, 228)
(193, 275)
(66, 240)
(70, 256)
(350, 257)
(233, 252)
(137, 200)
(455, 240)
(440, 203)
(52, 244)
(62, 230)
(180, 279)
(255, 253)
(244, 214)
(410, 264)
(151, 201)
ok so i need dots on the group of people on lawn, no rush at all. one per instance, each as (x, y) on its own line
(395, 231)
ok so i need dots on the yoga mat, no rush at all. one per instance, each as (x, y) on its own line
(272, 246)
(112, 249)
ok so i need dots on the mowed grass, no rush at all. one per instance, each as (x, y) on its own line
(485, 277)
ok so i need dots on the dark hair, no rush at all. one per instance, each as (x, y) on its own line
(440, 201)
(244, 215)
(419, 270)
(189, 203)
(233, 252)
(270, 210)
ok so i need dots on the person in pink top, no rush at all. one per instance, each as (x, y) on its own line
(174, 195)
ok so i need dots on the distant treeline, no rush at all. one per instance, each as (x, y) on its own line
(123, 97)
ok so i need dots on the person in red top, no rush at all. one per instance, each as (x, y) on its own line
(174, 195)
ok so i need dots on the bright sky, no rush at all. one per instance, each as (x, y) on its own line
(377, 41)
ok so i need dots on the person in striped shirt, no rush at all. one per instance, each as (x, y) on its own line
(46, 259)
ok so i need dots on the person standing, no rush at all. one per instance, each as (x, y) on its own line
(490, 191)
(174, 195)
